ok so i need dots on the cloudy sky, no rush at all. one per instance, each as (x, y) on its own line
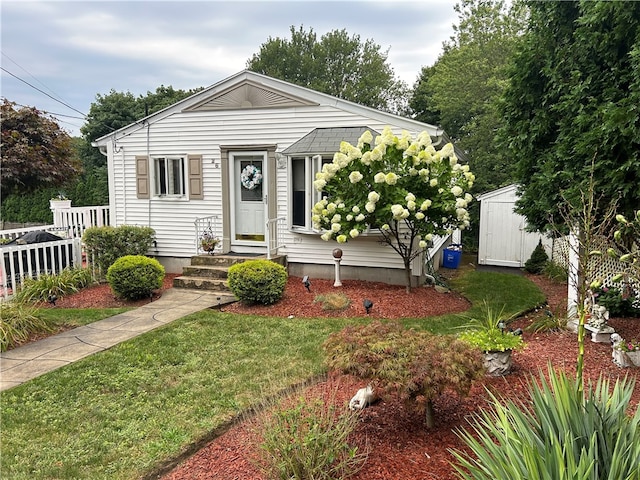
(74, 50)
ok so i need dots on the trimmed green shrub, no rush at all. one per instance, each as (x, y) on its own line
(17, 322)
(537, 261)
(309, 440)
(104, 245)
(135, 276)
(419, 366)
(69, 280)
(559, 433)
(258, 281)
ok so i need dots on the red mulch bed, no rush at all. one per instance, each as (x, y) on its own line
(400, 446)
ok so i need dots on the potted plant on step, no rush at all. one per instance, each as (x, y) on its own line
(209, 242)
(488, 333)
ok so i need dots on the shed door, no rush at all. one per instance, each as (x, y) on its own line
(503, 235)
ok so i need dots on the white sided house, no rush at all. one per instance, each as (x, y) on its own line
(180, 171)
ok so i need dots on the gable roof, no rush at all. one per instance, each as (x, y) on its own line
(248, 89)
(325, 141)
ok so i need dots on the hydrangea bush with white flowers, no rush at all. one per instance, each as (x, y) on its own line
(402, 186)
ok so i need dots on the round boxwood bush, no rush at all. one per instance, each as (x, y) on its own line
(257, 281)
(135, 276)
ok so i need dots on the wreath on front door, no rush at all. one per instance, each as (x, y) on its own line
(250, 177)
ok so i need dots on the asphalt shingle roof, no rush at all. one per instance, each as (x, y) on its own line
(326, 141)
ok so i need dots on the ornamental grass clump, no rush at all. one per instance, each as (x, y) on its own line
(309, 440)
(135, 276)
(333, 301)
(560, 432)
(257, 281)
(18, 322)
(49, 286)
(419, 366)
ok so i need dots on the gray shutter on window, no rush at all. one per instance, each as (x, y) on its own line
(142, 176)
(195, 177)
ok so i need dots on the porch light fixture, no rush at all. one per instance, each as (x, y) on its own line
(368, 304)
(307, 283)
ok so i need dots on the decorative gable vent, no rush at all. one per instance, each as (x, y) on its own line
(248, 95)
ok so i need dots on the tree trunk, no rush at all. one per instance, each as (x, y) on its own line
(407, 273)
(429, 415)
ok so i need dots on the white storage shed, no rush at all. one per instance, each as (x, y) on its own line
(504, 240)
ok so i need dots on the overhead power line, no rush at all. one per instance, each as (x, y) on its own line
(43, 92)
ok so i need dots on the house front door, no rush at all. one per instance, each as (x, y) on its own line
(248, 191)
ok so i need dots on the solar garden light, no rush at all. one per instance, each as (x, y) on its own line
(307, 283)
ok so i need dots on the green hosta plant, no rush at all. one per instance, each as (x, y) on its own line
(559, 433)
(400, 185)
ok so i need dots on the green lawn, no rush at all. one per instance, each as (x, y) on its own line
(121, 413)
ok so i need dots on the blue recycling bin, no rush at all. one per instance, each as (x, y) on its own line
(451, 256)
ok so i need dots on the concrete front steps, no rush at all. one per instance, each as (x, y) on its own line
(209, 272)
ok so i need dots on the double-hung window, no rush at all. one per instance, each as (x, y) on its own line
(169, 176)
(303, 194)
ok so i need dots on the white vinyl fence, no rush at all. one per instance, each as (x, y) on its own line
(33, 260)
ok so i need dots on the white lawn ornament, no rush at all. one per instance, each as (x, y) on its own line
(616, 339)
(364, 396)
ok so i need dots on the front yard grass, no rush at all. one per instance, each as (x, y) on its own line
(122, 413)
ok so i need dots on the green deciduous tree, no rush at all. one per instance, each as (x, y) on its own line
(336, 64)
(461, 91)
(574, 93)
(35, 151)
(403, 186)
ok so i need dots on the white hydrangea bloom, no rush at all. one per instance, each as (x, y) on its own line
(447, 151)
(391, 178)
(335, 227)
(354, 233)
(456, 190)
(422, 244)
(433, 182)
(419, 215)
(355, 177)
(319, 184)
(425, 205)
(341, 239)
(373, 196)
(360, 217)
(370, 207)
(379, 177)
